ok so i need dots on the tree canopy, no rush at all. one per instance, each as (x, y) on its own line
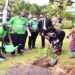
(56, 7)
(20, 5)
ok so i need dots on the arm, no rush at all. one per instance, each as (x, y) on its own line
(9, 36)
(50, 23)
(72, 30)
(28, 28)
(39, 26)
(11, 21)
(47, 37)
(28, 31)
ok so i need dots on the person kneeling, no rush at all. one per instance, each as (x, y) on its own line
(53, 40)
(4, 29)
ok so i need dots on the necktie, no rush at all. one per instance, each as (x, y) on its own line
(44, 24)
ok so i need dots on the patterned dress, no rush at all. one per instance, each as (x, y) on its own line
(72, 43)
(54, 41)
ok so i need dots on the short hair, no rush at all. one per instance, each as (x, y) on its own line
(26, 12)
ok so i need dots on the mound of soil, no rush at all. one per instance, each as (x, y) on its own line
(41, 66)
(63, 71)
(28, 70)
(45, 62)
(70, 71)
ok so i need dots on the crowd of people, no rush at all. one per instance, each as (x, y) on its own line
(17, 29)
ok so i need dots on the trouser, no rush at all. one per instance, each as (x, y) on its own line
(43, 41)
(1, 46)
(26, 34)
(60, 34)
(32, 39)
(19, 40)
(42, 33)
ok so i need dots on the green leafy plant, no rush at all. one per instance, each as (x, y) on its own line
(49, 52)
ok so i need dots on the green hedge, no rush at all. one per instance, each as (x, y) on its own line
(67, 24)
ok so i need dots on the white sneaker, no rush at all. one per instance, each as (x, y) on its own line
(2, 59)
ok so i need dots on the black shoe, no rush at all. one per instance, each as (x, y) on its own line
(20, 53)
(42, 47)
(13, 55)
(30, 48)
(34, 47)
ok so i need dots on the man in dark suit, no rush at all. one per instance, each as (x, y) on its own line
(44, 24)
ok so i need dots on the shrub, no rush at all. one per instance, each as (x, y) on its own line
(67, 24)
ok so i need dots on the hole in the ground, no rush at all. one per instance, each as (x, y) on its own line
(45, 62)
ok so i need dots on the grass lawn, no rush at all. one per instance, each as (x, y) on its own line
(30, 55)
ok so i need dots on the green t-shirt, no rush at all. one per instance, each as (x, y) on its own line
(2, 32)
(34, 25)
(18, 24)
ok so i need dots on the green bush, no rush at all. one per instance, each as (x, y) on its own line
(67, 24)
